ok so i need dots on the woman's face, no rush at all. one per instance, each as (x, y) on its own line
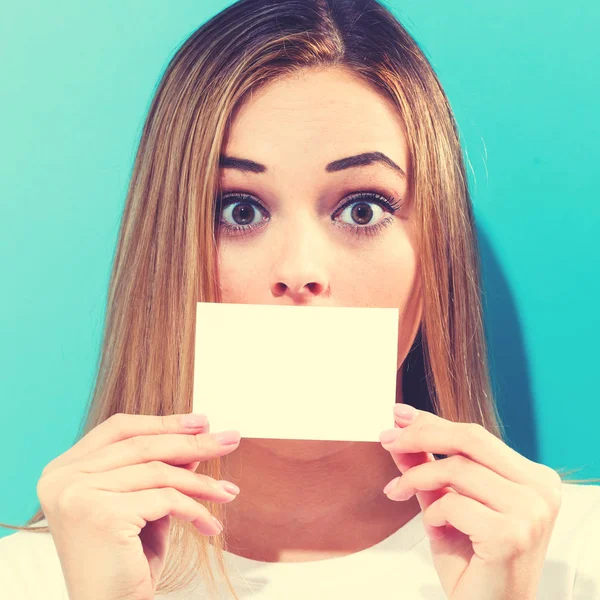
(312, 235)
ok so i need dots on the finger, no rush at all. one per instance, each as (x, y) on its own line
(425, 497)
(174, 449)
(157, 474)
(407, 461)
(466, 477)
(193, 466)
(430, 433)
(121, 426)
(151, 505)
(487, 529)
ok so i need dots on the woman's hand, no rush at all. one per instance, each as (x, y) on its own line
(489, 512)
(109, 500)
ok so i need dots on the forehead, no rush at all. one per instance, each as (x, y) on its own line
(314, 117)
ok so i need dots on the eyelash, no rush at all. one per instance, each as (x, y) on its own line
(389, 203)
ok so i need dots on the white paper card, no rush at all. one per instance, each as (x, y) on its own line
(296, 372)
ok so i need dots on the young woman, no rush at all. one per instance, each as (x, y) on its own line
(300, 153)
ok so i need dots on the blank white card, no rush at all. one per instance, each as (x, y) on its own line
(296, 372)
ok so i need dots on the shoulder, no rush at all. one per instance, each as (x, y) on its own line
(30, 567)
(575, 544)
(579, 510)
(579, 502)
(587, 573)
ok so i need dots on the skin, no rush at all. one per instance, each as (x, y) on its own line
(298, 255)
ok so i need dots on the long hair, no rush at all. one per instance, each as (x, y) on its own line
(165, 260)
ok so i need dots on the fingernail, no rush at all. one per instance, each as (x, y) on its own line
(218, 524)
(390, 435)
(194, 420)
(405, 411)
(436, 533)
(231, 436)
(229, 487)
(390, 486)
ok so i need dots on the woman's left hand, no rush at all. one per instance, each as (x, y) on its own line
(493, 509)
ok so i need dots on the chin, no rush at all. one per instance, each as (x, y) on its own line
(300, 449)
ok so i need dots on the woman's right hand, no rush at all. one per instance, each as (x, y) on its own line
(109, 499)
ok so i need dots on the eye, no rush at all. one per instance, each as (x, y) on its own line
(243, 213)
(237, 213)
(360, 212)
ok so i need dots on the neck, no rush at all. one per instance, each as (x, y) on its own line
(307, 499)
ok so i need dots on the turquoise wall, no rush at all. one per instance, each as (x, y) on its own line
(77, 80)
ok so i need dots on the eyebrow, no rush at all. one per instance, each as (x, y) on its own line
(358, 160)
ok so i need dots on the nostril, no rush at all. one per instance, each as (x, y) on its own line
(280, 288)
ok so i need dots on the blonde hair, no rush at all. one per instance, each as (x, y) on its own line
(165, 258)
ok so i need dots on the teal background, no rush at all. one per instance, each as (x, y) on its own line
(77, 80)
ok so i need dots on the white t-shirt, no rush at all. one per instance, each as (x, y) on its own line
(398, 567)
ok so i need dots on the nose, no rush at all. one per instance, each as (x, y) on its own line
(299, 271)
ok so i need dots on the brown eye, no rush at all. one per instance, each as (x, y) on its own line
(237, 214)
(361, 212)
(243, 213)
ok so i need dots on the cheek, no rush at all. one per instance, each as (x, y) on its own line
(393, 280)
(387, 278)
(236, 276)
